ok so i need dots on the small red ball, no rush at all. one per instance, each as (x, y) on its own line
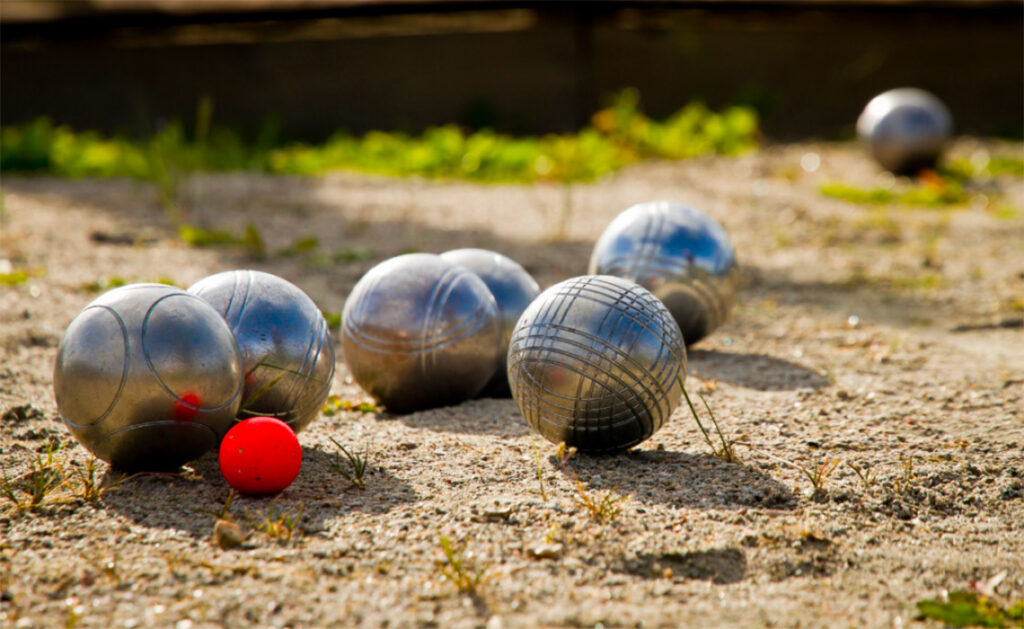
(260, 455)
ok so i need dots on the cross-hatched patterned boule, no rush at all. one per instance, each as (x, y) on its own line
(420, 332)
(287, 350)
(905, 129)
(595, 362)
(148, 377)
(678, 253)
(513, 289)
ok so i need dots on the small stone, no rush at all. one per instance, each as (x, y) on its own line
(228, 534)
(545, 551)
(497, 513)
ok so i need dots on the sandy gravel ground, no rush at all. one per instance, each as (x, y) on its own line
(887, 338)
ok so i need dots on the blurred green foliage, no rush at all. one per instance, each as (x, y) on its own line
(251, 239)
(996, 166)
(970, 609)
(13, 276)
(948, 185)
(617, 136)
(927, 194)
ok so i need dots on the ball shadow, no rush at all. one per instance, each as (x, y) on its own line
(718, 565)
(760, 372)
(682, 479)
(193, 499)
(483, 416)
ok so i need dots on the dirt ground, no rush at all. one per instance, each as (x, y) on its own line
(887, 339)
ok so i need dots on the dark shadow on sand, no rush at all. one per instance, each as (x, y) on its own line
(718, 565)
(681, 479)
(754, 371)
(190, 501)
(486, 416)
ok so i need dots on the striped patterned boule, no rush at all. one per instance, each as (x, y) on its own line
(596, 362)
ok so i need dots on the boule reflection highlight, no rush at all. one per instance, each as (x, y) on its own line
(148, 377)
(596, 362)
(286, 347)
(420, 332)
(680, 254)
(513, 289)
(905, 129)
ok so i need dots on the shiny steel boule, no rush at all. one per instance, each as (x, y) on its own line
(420, 332)
(287, 350)
(596, 362)
(513, 289)
(678, 253)
(148, 377)
(905, 129)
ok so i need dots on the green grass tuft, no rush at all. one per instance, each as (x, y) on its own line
(970, 609)
(457, 568)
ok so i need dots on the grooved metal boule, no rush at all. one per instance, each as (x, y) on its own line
(287, 350)
(680, 254)
(420, 332)
(905, 129)
(596, 362)
(513, 289)
(148, 377)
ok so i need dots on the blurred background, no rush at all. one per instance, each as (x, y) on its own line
(303, 69)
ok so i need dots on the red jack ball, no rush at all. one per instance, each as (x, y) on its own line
(260, 455)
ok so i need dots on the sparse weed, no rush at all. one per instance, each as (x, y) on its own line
(224, 512)
(16, 276)
(603, 509)
(275, 524)
(540, 472)
(84, 484)
(866, 476)
(353, 254)
(251, 240)
(456, 567)
(46, 474)
(727, 450)
(201, 237)
(357, 464)
(101, 284)
(818, 475)
(904, 475)
(307, 244)
(552, 535)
